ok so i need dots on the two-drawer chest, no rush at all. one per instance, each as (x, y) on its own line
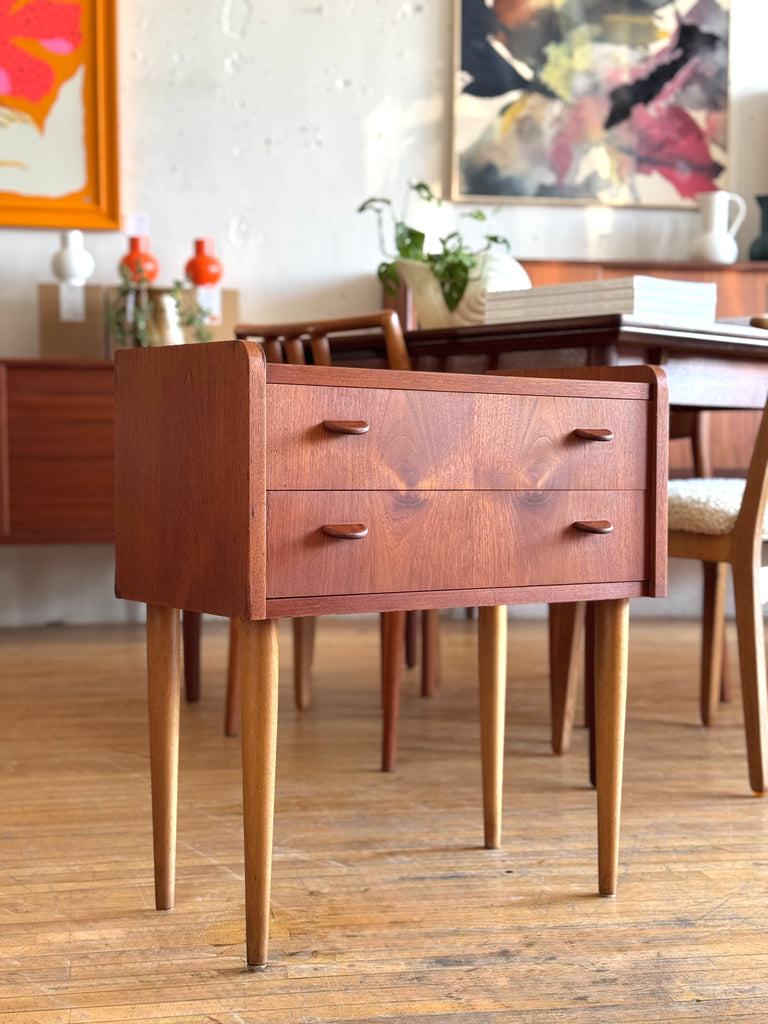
(258, 491)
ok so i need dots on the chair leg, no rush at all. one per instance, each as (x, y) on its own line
(566, 630)
(751, 633)
(611, 632)
(492, 651)
(164, 690)
(713, 629)
(392, 640)
(590, 672)
(303, 653)
(411, 638)
(429, 652)
(190, 629)
(232, 707)
(258, 670)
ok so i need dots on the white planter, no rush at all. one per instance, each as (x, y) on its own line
(496, 272)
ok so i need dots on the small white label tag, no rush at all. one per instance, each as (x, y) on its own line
(72, 303)
(135, 224)
(209, 300)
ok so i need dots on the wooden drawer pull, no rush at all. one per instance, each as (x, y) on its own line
(598, 434)
(346, 426)
(594, 526)
(346, 531)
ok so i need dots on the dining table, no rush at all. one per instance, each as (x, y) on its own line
(709, 366)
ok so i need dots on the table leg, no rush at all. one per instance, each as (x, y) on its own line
(566, 632)
(429, 652)
(232, 705)
(258, 672)
(303, 651)
(492, 650)
(392, 642)
(611, 632)
(190, 630)
(164, 690)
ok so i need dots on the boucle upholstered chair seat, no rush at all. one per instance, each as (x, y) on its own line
(706, 506)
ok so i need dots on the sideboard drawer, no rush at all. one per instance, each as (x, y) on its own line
(428, 440)
(445, 540)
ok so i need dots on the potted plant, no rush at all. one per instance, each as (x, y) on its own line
(449, 285)
(139, 316)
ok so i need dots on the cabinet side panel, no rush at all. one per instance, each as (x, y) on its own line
(658, 473)
(183, 495)
(5, 517)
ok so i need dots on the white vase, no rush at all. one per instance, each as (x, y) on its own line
(72, 263)
(717, 243)
(495, 272)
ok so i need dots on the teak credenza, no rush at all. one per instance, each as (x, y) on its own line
(256, 491)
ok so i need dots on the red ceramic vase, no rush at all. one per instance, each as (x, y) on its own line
(203, 268)
(139, 261)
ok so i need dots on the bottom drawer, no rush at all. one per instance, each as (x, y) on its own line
(448, 540)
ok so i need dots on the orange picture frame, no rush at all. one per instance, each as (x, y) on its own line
(58, 115)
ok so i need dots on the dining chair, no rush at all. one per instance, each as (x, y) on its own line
(722, 522)
(308, 342)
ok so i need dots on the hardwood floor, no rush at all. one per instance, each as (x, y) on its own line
(385, 906)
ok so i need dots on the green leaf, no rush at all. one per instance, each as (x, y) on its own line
(499, 240)
(422, 189)
(475, 215)
(374, 203)
(409, 242)
(388, 276)
(453, 283)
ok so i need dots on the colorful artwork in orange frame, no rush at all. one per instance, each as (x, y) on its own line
(58, 114)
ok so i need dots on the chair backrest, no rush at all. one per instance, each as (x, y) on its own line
(291, 342)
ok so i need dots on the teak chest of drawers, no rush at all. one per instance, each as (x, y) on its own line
(256, 491)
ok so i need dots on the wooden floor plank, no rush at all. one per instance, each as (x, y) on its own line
(385, 905)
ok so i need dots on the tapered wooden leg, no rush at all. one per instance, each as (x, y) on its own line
(566, 637)
(164, 689)
(611, 632)
(713, 630)
(751, 634)
(258, 671)
(392, 640)
(429, 652)
(492, 650)
(303, 652)
(232, 706)
(411, 638)
(190, 629)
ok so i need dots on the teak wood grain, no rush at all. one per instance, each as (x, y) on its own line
(56, 452)
(194, 427)
(451, 540)
(531, 441)
(196, 527)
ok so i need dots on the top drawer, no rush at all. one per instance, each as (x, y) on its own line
(428, 440)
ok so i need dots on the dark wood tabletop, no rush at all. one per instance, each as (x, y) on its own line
(718, 366)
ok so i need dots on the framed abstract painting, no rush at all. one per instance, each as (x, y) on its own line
(58, 119)
(619, 102)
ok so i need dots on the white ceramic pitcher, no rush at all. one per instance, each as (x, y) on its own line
(717, 242)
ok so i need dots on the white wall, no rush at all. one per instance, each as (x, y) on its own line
(264, 126)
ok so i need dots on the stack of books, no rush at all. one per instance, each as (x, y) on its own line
(649, 298)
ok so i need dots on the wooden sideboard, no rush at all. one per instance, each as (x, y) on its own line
(57, 442)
